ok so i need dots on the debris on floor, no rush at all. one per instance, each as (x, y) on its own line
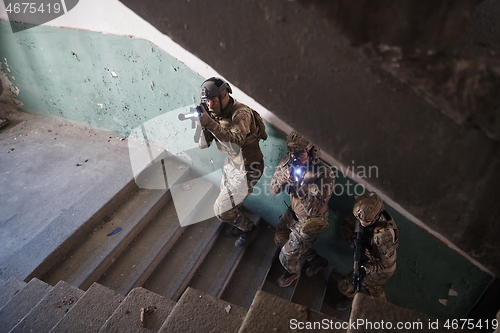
(114, 232)
(3, 122)
(145, 312)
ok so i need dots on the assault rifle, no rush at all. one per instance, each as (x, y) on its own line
(357, 274)
(194, 114)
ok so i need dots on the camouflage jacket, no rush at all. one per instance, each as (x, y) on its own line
(380, 241)
(236, 132)
(308, 197)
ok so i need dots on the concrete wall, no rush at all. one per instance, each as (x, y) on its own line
(110, 81)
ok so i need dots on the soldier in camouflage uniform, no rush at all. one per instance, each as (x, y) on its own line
(380, 239)
(237, 130)
(310, 184)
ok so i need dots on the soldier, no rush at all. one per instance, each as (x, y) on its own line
(379, 239)
(310, 183)
(237, 130)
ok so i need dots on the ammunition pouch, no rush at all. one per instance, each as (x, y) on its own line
(314, 225)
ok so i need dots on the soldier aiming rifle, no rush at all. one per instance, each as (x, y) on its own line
(375, 237)
(236, 129)
(310, 182)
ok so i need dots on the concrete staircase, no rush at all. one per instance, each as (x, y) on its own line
(39, 307)
(139, 263)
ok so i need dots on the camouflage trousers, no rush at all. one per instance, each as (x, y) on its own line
(237, 184)
(372, 283)
(294, 243)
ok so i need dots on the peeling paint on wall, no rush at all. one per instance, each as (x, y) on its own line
(8, 91)
(107, 82)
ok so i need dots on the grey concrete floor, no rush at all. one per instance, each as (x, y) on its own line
(46, 165)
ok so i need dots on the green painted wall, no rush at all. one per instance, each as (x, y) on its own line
(128, 86)
(111, 83)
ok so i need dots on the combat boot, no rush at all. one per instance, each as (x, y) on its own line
(287, 279)
(246, 237)
(316, 265)
(343, 303)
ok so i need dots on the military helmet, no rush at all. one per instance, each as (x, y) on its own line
(214, 87)
(297, 144)
(368, 207)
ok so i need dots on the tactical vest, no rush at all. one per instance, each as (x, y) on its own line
(250, 148)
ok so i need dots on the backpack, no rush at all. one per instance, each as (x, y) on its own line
(260, 124)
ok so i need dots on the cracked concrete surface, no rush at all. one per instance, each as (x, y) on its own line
(46, 165)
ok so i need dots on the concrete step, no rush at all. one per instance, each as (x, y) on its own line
(50, 309)
(220, 263)
(204, 210)
(87, 262)
(91, 311)
(270, 284)
(152, 176)
(271, 313)
(331, 295)
(131, 217)
(141, 311)
(161, 173)
(22, 303)
(197, 311)
(9, 289)
(306, 291)
(370, 312)
(310, 291)
(145, 252)
(53, 243)
(194, 200)
(173, 274)
(252, 270)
